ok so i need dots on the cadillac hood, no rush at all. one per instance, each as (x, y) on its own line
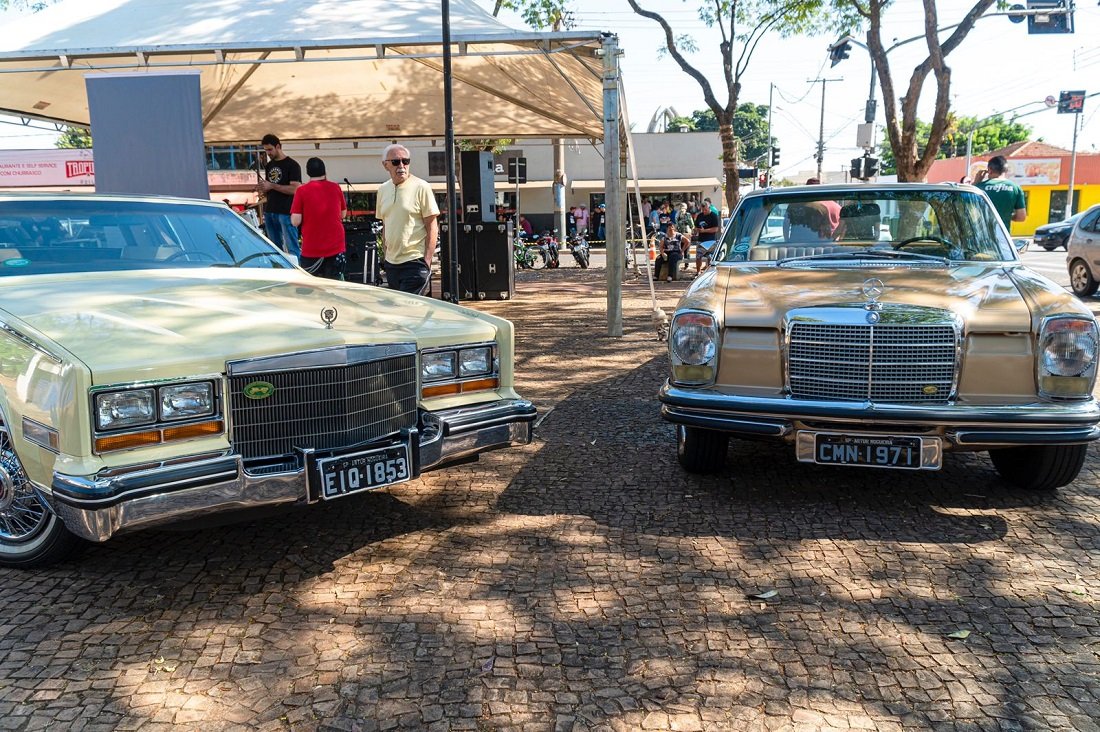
(989, 297)
(155, 324)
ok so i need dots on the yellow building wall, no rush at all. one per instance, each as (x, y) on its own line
(1038, 205)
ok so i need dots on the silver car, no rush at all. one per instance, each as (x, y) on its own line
(1083, 253)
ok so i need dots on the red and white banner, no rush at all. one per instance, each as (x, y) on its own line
(46, 168)
(39, 168)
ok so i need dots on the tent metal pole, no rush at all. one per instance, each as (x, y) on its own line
(613, 187)
(453, 222)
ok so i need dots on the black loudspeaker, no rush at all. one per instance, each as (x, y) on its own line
(486, 267)
(362, 253)
(467, 283)
(478, 187)
(494, 262)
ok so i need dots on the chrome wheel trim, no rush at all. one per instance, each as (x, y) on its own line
(1078, 277)
(22, 514)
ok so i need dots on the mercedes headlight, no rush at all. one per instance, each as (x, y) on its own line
(1067, 357)
(119, 409)
(693, 347)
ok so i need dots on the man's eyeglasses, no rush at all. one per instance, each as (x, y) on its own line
(399, 161)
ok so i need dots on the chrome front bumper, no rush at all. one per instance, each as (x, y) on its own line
(964, 427)
(97, 507)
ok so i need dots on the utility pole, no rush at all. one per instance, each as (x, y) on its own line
(1072, 166)
(771, 141)
(821, 128)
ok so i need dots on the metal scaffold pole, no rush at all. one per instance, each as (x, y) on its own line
(613, 187)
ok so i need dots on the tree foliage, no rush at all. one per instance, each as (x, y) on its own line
(32, 5)
(912, 163)
(750, 127)
(540, 14)
(992, 134)
(740, 26)
(75, 137)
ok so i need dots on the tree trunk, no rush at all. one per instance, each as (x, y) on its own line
(729, 161)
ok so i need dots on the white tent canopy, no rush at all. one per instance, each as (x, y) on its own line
(314, 70)
(311, 69)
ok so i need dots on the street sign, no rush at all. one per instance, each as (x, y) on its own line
(1071, 102)
(1049, 16)
(517, 170)
(865, 135)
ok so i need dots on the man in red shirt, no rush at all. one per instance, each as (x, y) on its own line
(318, 210)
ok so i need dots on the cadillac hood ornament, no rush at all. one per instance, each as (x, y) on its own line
(329, 315)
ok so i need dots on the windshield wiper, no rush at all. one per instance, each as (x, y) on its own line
(866, 254)
(225, 245)
(250, 257)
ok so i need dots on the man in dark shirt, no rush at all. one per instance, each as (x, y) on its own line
(284, 175)
(707, 225)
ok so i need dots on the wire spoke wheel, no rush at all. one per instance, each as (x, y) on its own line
(22, 515)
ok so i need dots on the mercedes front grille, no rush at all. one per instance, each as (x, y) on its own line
(890, 363)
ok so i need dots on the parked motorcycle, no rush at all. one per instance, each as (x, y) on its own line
(548, 249)
(527, 253)
(578, 245)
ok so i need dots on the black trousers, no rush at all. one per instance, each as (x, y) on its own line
(413, 276)
(671, 260)
(329, 267)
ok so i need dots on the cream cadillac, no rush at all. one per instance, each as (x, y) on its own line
(160, 360)
(881, 326)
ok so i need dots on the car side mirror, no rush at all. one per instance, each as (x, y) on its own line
(1021, 245)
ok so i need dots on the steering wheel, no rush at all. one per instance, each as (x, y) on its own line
(187, 254)
(926, 237)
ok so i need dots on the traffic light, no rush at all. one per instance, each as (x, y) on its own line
(856, 169)
(839, 51)
(775, 155)
(762, 180)
(1071, 102)
(864, 168)
(1049, 16)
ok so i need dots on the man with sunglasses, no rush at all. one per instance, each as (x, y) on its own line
(407, 208)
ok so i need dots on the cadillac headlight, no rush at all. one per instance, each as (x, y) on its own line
(186, 401)
(693, 346)
(1067, 357)
(475, 361)
(438, 365)
(459, 370)
(125, 409)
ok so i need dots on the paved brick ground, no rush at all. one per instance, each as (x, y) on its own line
(585, 583)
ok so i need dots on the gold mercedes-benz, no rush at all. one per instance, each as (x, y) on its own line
(881, 326)
(160, 360)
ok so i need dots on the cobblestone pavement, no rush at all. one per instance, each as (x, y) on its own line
(585, 582)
